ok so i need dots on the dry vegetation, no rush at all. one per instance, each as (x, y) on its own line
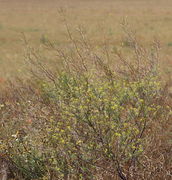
(85, 89)
(40, 18)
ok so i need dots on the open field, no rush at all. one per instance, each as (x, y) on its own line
(85, 89)
(150, 18)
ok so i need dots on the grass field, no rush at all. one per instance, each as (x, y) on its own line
(40, 18)
(85, 89)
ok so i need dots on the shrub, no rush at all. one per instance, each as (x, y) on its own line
(101, 122)
(100, 116)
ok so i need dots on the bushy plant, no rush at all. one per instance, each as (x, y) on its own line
(101, 115)
(101, 122)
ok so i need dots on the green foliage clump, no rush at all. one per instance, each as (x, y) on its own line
(102, 121)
